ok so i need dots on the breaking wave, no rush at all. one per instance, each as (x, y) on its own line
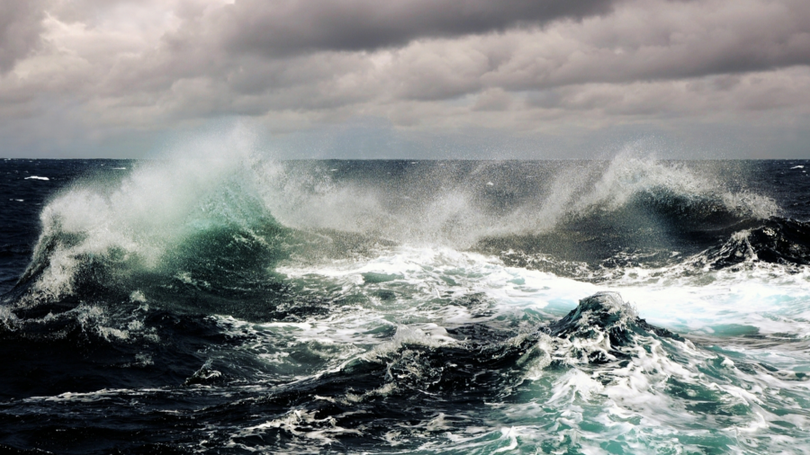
(185, 222)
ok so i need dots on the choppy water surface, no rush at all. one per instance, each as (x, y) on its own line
(250, 306)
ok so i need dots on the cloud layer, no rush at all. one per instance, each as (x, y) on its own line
(293, 27)
(514, 78)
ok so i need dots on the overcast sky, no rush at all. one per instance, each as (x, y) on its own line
(407, 78)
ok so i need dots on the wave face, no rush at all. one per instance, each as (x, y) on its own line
(246, 305)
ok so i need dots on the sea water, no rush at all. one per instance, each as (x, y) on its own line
(247, 305)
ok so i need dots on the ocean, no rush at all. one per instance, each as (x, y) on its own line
(247, 305)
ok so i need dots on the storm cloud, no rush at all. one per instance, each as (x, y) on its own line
(522, 78)
(20, 28)
(292, 26)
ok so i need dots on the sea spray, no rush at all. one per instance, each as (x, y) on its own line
(385, 307)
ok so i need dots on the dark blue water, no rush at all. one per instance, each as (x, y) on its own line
(191, 306)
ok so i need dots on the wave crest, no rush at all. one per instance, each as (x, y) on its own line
(105, 231)
(164, 217)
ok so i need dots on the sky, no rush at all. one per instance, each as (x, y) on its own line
(525, 79)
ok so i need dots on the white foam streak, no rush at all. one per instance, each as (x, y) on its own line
(439, 273)
(768, 301)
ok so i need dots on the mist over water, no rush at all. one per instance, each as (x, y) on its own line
(236, 305)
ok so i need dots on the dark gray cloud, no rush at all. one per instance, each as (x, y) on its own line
(652, 42)
(20, 29)
(105, 70)
(286, 27)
